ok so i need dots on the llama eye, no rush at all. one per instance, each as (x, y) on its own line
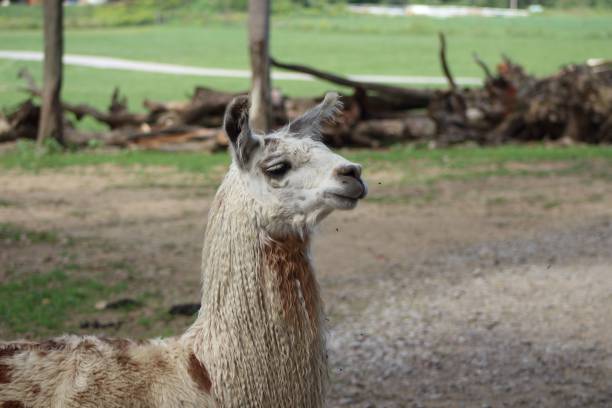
(278, 170)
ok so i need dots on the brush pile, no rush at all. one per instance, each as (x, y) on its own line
(574, 105)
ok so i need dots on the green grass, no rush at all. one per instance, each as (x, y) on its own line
(415, 165)
(13, 233)
(427, 167)
(351, 43)
(341, 43)
(463, 157)
(45, 302)
(26, 157)
(7, 203)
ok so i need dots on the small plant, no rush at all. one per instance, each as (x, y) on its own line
(145, 322)
(6, 203)
(13, 233)
(31, 156)
(94, 144)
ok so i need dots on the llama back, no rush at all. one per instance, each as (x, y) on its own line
(74, 371)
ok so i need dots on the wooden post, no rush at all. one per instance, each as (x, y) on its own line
(259, 27)
(51, 122)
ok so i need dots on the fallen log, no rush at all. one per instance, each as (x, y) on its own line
(405, 98)
(384, 132)
(21, 123)
(205, 103)
(181, 139)
(199, 139)
(114, 120)
(116, 117)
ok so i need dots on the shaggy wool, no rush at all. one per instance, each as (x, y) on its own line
(259, 328)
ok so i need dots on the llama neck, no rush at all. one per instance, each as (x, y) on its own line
(258, 331)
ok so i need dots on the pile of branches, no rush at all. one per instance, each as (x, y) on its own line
(184, 125)
(574, 105)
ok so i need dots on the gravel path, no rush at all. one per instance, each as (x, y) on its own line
(100, 62)
(509, 323)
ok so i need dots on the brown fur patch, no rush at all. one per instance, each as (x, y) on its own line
(119, 344)
(87, 345)
(199, 374)
(218, 202)
(288, 259)
(12, 404)
(52, 345)
(160, 363)
(36, 389)
(126, 362)
(5, 374)
(9, 350)
(41, 349)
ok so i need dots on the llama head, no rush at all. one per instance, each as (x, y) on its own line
(295, 179)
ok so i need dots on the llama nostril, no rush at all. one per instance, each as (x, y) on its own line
(349, 170)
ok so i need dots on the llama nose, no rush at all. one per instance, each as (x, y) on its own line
(349, 170)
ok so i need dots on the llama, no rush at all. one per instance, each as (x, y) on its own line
(258, 339)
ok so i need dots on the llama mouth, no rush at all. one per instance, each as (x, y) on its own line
(340, 201)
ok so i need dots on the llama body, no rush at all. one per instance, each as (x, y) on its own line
(258, 339)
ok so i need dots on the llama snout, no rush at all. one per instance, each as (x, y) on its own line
(353, 185)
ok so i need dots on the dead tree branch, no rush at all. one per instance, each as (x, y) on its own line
(483, 65)
(445, 69)
(417, 98)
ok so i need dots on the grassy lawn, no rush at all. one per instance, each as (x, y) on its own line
(44, 302)
(48, 299)
(342, 43)
(417, 166)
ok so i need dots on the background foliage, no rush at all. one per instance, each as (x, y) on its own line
(146, 12)
(499, 3)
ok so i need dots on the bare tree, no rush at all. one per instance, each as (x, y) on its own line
(259, 28)
(51, 122)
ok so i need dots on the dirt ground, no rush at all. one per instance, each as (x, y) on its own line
(485, 293)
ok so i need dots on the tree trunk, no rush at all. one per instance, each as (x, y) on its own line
(51, 122)
(259, 22)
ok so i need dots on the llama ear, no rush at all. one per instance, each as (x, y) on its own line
(311, 122)
(236, 126)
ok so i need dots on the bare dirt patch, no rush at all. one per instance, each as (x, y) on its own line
(492, 292)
